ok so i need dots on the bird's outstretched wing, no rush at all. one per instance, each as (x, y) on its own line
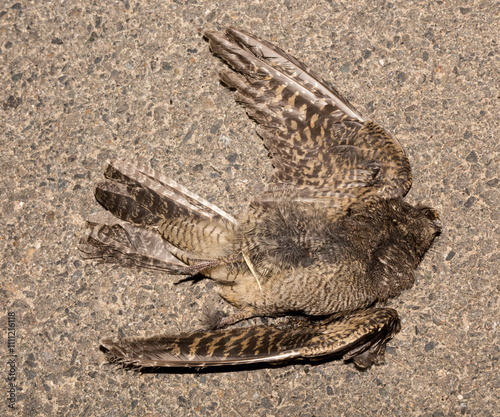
(360, 336)
(321, 146)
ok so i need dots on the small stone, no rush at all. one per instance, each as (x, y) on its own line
(231, 158)
(345, 67)
(12, 102)
(470, 202)
(450, 255)
(430, 346)
(401, 76)
(472, 157)
(266, 403)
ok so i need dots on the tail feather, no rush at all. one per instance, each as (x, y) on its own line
(119, 200)
(361, 336)
(153, 222)
(161, 195)
(115, 241)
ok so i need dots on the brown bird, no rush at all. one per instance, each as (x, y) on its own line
(328, 238)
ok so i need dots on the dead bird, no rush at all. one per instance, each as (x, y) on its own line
(328, 238)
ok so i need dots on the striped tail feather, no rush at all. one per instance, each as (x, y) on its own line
(161, 196)
(115, 241)
(153, 222)
(360, 336)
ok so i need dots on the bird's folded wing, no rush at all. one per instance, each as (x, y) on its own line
(320, 144)
(360, 336)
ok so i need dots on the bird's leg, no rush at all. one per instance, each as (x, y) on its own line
(199, 266)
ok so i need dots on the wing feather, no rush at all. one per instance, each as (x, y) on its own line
(320, 144)
(361, 336)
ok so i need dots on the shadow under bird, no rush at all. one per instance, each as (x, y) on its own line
(328, 238)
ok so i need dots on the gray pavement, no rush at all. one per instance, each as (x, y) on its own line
(85, 81)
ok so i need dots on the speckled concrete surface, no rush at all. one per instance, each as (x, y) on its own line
(84, 81)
